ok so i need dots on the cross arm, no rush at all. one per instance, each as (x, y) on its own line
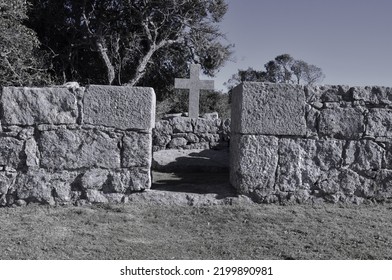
(181, 83)
(206, 84)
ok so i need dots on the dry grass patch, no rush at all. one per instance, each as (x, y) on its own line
(143, 231)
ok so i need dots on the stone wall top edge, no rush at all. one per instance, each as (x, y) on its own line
(124, 86)
(317, 86)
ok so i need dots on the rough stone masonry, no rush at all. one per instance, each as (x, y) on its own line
(61, 146)
(322, 143)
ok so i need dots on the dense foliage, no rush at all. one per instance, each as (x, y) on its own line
(283, 69)
(21, 61)
(138, 42)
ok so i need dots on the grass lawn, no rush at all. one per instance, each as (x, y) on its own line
(152, 231)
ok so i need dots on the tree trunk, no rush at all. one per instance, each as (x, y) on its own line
(100, 43)
(141, 69)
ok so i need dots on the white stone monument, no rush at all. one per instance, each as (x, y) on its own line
(194, 84)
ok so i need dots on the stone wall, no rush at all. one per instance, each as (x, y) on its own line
(71, 145)
(177, 132)
(324, 143)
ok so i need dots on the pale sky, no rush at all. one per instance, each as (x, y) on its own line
(351, 40)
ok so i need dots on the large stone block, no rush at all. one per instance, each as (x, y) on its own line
(342, 123)
(379, 123)
(137, 150)
(45, 187)
(303, 161)
(73, 149)
(268, 109)
(253, 163)
(124, 108)
(10, 152)
(364, 155)
(29, 106)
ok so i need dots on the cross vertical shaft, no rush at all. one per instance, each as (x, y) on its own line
(194, 84)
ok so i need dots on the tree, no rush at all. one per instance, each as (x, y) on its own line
(279, 70)
(283, 69)
(127, 41)
(308, 73)
(248, 75)
(20, 60)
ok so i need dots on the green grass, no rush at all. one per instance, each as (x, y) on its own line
(144, 231)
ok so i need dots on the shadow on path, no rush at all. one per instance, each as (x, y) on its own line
(193, 172)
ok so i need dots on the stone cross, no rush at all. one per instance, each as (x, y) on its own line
(194, 84)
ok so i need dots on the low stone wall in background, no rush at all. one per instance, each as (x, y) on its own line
(324, 143)
(177, 132)
(66, 145)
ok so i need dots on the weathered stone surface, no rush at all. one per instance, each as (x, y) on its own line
(268, 109)
(226, 125)
(73, 149)
(120, 107)
(379, 123)
(373, 95)
(94, 179)
(95, 196)
(32, 153)
(181, 124)
(177, 143)
(162, 133)
(383, 191)
(29, 106)
(137, 150)
(253, 162)
(364, 155)
(10, 152)
(206, 126)
(342, 123)
(44, 187)
(312, 121)
(161, 140)
(211, 116)
(129, 180)
(193, 131)
(303, 161)
(332, 182)
(139, 179)
(26, 133)
(7, 180)
(192, 138)
(163, 127)
(327, 93)
(387, 164)
(210, 138)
